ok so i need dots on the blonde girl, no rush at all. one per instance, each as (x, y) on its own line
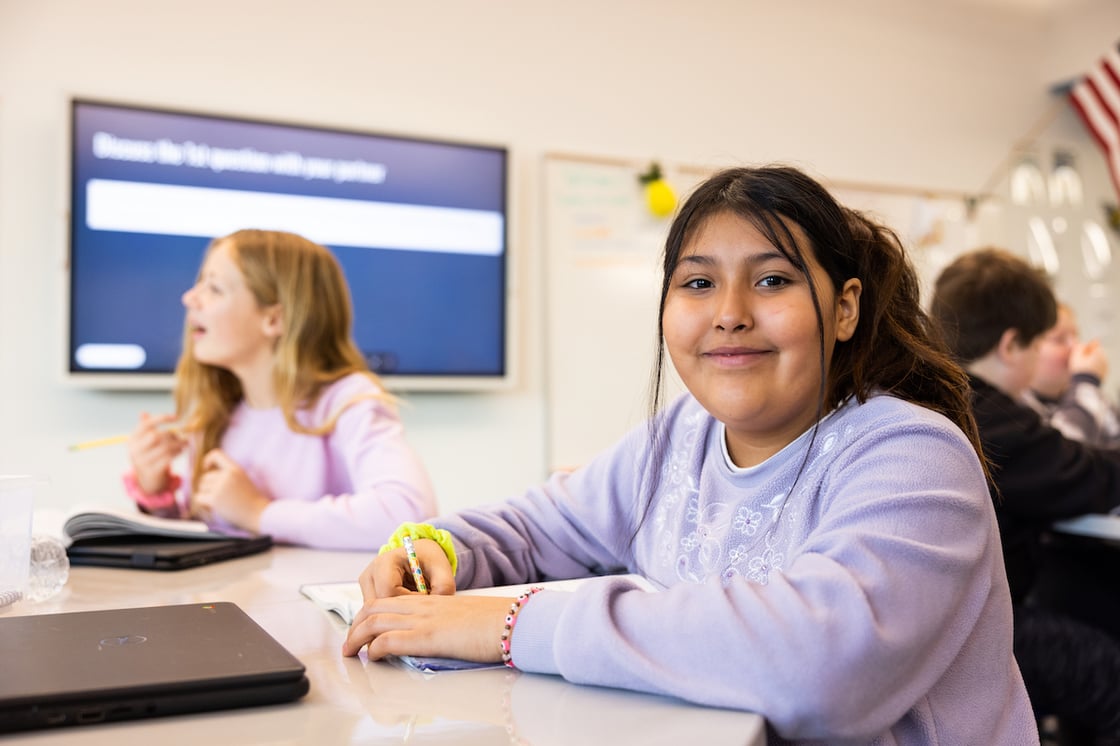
(286, 430)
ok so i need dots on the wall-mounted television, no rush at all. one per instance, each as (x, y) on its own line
(419, 226)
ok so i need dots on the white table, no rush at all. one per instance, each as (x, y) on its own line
(353, 700)
(1104, 526)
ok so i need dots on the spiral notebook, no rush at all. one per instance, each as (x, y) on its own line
(344, 599)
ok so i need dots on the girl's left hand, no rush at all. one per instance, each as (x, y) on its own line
(464, 627)
(225, 491)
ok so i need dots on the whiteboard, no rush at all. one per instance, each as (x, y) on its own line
(603, 279)
(602, 273)
(934, 229)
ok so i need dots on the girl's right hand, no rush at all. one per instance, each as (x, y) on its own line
(152, 447)
(389, 574)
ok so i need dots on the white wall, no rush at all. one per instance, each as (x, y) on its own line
(900, 92)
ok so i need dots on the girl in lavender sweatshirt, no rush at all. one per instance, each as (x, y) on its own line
(286, 430)
(814, 510)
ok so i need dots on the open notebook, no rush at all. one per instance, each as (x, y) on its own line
(108, 537)
(345, 599)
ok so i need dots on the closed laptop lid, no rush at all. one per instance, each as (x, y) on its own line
(92, 666)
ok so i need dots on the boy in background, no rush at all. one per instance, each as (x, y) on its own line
(993, 309)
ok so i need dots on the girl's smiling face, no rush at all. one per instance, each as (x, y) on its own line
(741, 330)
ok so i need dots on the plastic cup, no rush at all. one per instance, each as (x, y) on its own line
(16, 507)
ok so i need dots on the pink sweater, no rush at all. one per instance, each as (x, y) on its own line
(348, 489)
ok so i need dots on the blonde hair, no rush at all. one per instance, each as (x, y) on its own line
(314, 350)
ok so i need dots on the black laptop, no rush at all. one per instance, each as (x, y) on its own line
(100, 666)
(162, 553)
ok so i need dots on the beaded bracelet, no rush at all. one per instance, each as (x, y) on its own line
(511, 619)
(418, 531)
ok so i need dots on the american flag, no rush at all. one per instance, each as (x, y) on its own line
(1097, 98)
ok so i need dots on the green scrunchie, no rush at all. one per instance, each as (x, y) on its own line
(423, 531)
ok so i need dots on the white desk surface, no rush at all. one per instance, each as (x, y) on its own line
(1098, 525)
(353, 700)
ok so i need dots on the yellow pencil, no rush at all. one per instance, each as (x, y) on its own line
(414, 563)
(112, 441)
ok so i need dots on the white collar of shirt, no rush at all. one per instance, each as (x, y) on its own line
(721, 433)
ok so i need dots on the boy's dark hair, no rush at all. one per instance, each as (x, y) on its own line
(982, 294)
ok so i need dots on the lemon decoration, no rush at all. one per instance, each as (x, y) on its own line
(660, 197)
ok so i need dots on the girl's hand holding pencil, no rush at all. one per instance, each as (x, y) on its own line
(422, 569)
(152, 446)
(112, 440)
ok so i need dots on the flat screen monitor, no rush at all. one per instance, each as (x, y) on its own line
(418, 225)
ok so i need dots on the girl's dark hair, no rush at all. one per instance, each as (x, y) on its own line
(896, 348)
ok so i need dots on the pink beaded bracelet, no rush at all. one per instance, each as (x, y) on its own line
(511, 619)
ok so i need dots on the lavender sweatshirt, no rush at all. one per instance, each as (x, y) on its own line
(348, 489)
(863, 601)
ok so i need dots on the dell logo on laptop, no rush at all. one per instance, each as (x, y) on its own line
(117, 642)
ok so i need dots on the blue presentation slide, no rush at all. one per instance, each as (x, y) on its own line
(419, 227)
